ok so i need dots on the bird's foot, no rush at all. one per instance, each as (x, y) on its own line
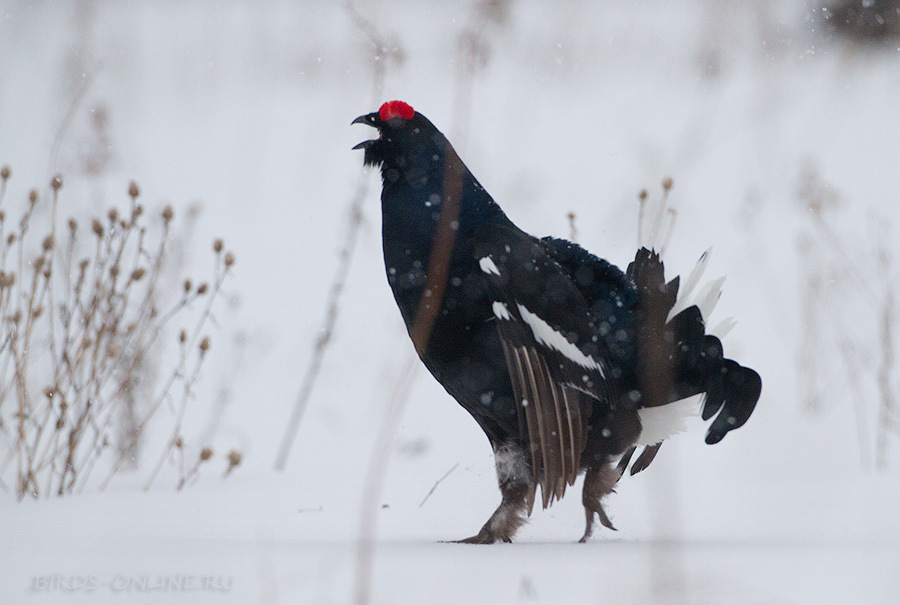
(590, 509)
(494, 531)
(502, 525)
(482, 537)
(598, 482)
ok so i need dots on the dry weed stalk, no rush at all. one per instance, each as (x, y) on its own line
(663, 217)
(838, 290)
(81, 317)
(472, 54)
(384, 51)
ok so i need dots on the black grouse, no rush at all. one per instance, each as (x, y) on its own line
(567, 363)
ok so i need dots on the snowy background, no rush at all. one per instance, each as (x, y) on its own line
(783, 144)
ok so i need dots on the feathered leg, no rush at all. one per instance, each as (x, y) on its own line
(517, 487)
(598, 482)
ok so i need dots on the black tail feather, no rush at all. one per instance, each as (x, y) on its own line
(741, 387)
(680, 352)
(645, 458)
(715, 398)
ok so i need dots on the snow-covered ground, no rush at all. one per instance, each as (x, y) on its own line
(245, 108)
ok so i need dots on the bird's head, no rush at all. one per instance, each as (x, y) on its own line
(401, 132)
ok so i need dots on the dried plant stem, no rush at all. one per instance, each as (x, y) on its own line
(71, 112)
(174, 439)
(331, 316)
(642, 208)
(886, 413)
(188, 346)
(420, 330)
(375, 474)
(573, 228)
(837, 248)
(673, 215)
(436, 483)
(351, 237)
(660, 212)
(71, 358)
(854, 371)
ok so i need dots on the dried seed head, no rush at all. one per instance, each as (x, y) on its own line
(47, 244)
(217, 245)
(2, 216)
(234, 459)
(49, 392)
(206, 453)
(167, 214)
(4, 172)
(204, 344)
(643, 195)
(16, 317)
(114, 271)
(187, 285)
(33, 196)
(138, 274)
(56, 182)
(182, 337)
(179, 442)
(133, 190)
(202, 289)
(97, 228)
(7, 279)
(113, 215)
(37, 312)
(11, 239)
(138, 210)
(73, 225)
(83, 265)
(60, 423)
(229, 259)
(667, 183)
(39, 263)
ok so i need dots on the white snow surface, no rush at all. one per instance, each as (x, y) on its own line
(245, 109)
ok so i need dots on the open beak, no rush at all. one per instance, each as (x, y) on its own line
(370, 119)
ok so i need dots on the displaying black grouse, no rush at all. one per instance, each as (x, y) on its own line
(567, 363)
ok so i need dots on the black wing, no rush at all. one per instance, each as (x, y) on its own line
(557, 367)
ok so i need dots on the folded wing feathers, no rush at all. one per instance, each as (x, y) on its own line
(552, 419)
